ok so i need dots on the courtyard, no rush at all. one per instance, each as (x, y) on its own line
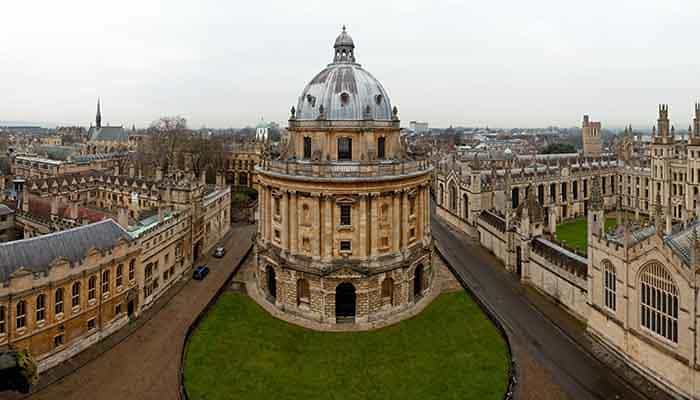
(449, 351)
(574, 233)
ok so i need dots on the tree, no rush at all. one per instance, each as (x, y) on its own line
(160, 149)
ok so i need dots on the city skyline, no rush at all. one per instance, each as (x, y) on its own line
(219, 65)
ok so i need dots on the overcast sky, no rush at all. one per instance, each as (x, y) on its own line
(227, 63)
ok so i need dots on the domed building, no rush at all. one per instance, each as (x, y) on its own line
(344, 225)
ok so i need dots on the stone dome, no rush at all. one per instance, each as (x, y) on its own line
(344, 91)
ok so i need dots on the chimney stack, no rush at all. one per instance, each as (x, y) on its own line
(123, 218)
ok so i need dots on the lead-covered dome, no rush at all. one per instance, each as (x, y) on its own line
(344, 90)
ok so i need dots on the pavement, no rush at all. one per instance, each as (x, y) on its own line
(549, 347)
(146, 363)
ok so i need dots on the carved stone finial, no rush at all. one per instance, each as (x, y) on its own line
(294, 112)
(395, 112)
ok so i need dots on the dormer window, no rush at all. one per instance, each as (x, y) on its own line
(378, 99)
(344, 98)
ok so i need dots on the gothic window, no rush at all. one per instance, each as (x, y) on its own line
(609, 286)
(381, 148)
(307, 147)
(345, 214)
(75, 295)
(58, 304)
(453, 197)
(442, 194)
(303, 292)
(465, 204)
(659, 302)
(575, 190)
(40, 308)
(344, 148)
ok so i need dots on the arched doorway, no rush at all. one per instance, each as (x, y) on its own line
(418, 282)
(345, 303)
(271, 283)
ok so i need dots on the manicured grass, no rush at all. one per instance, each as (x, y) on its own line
(575, 232)
(449, 351)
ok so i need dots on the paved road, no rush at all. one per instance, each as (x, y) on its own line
(572, 370)
(146, 364)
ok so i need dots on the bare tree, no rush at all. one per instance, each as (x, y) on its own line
(166, 138)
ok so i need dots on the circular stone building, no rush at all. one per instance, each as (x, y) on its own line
(344, 224)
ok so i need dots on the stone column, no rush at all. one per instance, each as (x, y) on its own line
(404, 218)
(285, 219)
(374, 224)
(293, 224)
(328, 226)
(395, 221)
(262, 213)
(363, 226)
(268, 217)
(316, 239)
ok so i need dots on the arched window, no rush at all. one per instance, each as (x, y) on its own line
(381, 148)
(120, 274)
(2, 320)
(388, 290)
(58, 304)
(92, 287)
(609, 286)
(132, 270)
(344, 148)
(305, 215)
(453, 198)
(384, 215)
(105, 281)
(21, 315)
(659, 302)
(303, 292)
(40, 308)
(75, 295)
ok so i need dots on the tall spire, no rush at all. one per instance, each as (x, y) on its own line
(98, 117)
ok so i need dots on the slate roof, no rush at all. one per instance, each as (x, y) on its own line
(35, 254)
(108, 134)
(680, 242)
(5, 210)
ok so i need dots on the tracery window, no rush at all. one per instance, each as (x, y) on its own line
(609, 286)
(659, 302)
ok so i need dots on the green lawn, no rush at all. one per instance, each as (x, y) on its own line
(575, 232)
(449, 351)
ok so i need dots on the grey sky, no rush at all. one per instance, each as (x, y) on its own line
(227, 63)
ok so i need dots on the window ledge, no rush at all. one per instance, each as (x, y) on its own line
(348, 228)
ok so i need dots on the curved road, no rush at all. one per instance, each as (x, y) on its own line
(574, 371)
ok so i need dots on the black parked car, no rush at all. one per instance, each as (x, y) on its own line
(200, 272)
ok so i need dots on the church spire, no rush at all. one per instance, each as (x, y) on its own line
(98, 117)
